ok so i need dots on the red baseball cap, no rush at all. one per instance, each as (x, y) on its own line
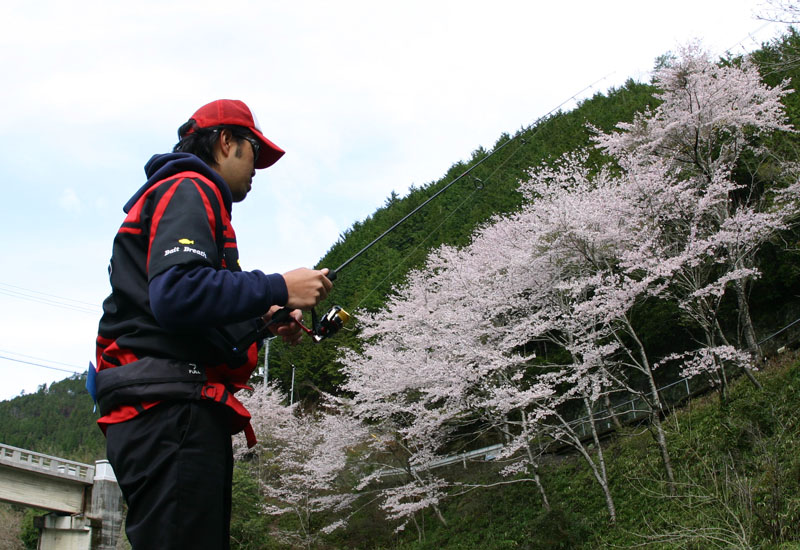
(233, 111)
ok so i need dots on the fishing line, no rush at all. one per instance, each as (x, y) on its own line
(23, 361)
(516, 138)
(415, 249)
(333, 274)
(479, 187)
(336, 318)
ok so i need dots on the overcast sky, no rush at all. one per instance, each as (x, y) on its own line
(366, 98)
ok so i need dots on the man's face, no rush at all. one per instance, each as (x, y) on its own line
(237, 167)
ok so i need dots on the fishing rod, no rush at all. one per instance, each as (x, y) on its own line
(332, 275)
(336, 317)
(330, 323)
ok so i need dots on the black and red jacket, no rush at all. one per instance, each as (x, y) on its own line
(179, 300)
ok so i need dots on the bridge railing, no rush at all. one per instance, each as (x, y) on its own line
(46, 464)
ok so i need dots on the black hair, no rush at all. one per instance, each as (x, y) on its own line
(200, 141)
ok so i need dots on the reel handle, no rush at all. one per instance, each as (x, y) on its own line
(281, 316)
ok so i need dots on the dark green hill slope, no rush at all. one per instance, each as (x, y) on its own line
(490, 189)
(56, 420)
(738, 487)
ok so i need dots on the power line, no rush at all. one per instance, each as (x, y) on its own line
(37, 358)
(48, 299)
(76, 370)
(46, 294)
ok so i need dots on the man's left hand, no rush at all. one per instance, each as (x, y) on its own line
(291, 332)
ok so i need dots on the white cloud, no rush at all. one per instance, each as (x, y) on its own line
(69, 201)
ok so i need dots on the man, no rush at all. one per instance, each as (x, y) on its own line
(175, 339)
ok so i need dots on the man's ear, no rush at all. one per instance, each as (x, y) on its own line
(225, 142)
(223, 146)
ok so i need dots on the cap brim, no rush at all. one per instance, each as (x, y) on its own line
(269, 154)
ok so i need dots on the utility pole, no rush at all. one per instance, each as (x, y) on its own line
(266, 358)
(291, 393)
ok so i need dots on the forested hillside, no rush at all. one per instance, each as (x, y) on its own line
(650, 256)
(57, 420)
(370, 460)
(491, 188)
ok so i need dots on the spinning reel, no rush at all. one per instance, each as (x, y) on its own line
(324, 327)
(329, 324)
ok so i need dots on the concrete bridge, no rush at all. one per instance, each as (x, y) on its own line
(84, 501)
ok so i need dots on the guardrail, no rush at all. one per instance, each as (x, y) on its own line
(488, 453)
(626, 412)
(46, 464)
(636, 408)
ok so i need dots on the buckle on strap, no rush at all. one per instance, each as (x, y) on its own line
(215, 392)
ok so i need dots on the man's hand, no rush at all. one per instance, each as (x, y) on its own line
(291, 332)
(307, 287)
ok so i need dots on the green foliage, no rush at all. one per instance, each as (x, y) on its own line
(250, 529)
(56, 420)
(29, 535)
(736, 465)
(508, 517)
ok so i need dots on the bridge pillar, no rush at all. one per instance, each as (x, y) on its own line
(106, 509)
(58, 532)
(98, 528)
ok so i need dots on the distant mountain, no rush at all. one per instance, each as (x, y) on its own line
(56, 420)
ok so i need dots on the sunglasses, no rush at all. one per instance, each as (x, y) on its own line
(256, 147)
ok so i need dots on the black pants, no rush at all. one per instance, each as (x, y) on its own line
(174, 465)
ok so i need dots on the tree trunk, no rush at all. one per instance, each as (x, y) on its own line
(435, 507)
(600, 469)
(723, 391)
(532, 460)
(748, 329)
(569, 437)
(420, 534)
(747, 372)
(747, 322)
(610, 408)
(661, 440)
(656, 408)
(538, 481)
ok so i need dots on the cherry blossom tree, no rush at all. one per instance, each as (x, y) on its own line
(449, 360)
(428, 367)
(710, 117)
(413, 383)
(301, 458)
(445, 349)
(584, 227)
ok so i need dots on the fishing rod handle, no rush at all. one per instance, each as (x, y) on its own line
(281, 316)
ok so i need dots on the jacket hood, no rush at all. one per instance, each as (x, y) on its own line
(163, 166)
